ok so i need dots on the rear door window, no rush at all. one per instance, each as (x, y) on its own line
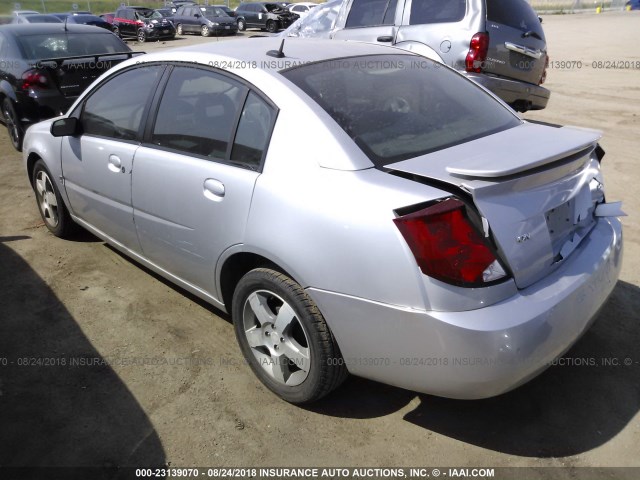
(198, 112)
(369, 13)
(437, 11)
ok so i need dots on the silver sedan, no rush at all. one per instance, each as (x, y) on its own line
(356, 208)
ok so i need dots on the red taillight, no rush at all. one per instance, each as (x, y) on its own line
(477, 55)
(543, 78)
(34, 79)
(448, 247)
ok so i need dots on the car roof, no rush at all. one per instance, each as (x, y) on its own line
(39, 28)
(296, 51)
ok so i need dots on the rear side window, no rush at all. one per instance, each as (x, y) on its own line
(514, 13)
(369, 13)
(254, 131)
(437, 11)
(116, 108)
(198, 112)
(396, 107)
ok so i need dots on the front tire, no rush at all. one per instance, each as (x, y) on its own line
(205, 31)
(142, 36)
(179, 29)
(12, 121)
(116, 32)
(242, 25)
(284, 337)
(272, 27)
(52, 209)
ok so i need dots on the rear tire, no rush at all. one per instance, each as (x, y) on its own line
(284, 337)
(116, 32)
(12, 121)
(52, 209)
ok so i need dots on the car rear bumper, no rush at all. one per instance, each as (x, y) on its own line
(485, 352)
(518, 94)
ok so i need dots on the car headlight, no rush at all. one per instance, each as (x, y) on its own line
(149, 26)
(214, 24)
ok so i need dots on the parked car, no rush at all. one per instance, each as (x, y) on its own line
(426, 223)
(302, 9)
(142, 23)
(498, 43)
(264, 15)
(231, 13)
(40, 18)
(203, 20)
(83, 19)
(19, 13)
(633, 4)
(46, 67)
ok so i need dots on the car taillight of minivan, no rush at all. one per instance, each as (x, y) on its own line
(543, 78)
(34, 79)
(478, 48)
(448, 247)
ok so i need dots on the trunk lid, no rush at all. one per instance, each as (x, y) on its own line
(517, 46)
(536, 186)
(72, 75)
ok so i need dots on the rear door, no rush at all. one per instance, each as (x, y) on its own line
(517, 46)
(194, 176)
(371, 21)
(97, 164)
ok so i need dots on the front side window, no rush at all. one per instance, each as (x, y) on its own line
(437, 11)
(396, 107)
(116, 108)
(369, 13)
(197, 113)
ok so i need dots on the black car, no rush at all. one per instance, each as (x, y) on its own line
(204, 20)
(46, 66)
(264, 15)
(142, 23)
(39, 18)
(83, 19)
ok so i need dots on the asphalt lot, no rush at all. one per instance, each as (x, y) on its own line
(82, 303)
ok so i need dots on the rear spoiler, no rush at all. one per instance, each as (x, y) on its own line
(96, 58)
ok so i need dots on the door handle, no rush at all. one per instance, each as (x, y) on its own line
(115, 164)
(214, 189)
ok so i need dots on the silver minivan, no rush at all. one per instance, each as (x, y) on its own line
(499, 44)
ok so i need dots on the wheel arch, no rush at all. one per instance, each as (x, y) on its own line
(237, 265)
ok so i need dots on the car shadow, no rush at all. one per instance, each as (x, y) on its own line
(53, 413)
(580, 403)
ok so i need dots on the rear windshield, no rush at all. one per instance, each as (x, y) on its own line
(396, 107)
(60, 45)
(514, 13)
(437, 11)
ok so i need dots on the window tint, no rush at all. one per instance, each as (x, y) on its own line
(197, 112)
(514, 13)
(116, 109)
(396, 107)
(253, 132)
(367, 13)
(437, 11)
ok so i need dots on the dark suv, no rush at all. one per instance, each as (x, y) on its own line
(264, 15)
(205, 20)
(499, 44)
(142, 23)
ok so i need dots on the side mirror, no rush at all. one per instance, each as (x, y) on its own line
(540, 18)
(65, 127)
(197, 15)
